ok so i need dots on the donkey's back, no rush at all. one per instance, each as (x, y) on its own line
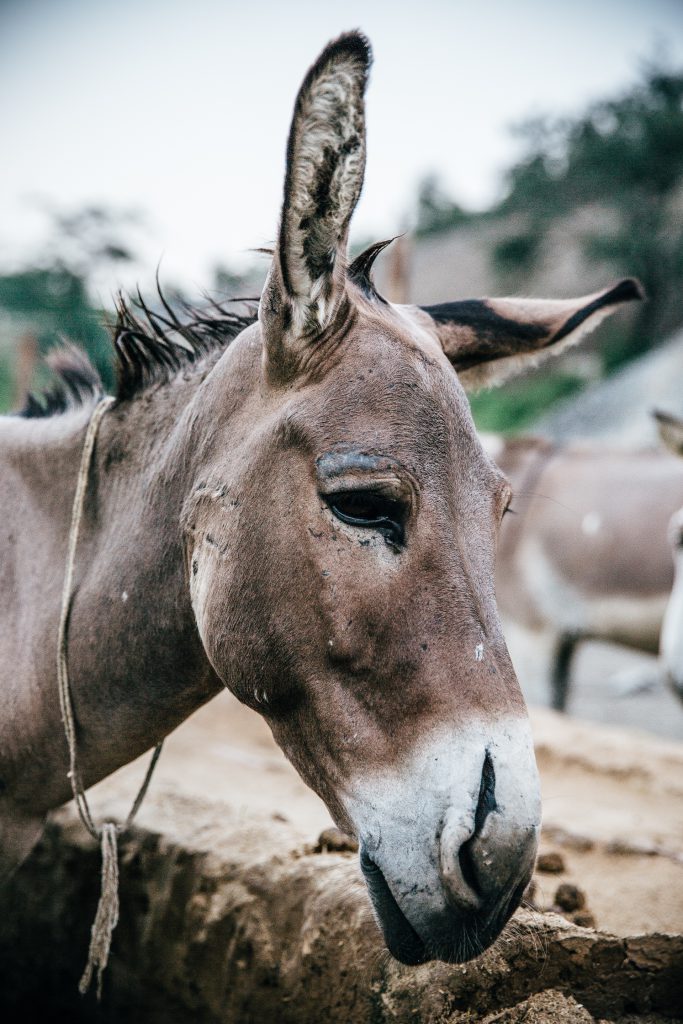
(587, 555)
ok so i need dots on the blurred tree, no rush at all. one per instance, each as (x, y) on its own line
(89, 240)
(436, 211)
(514, 256)
(51, 297)
(623, 158)
(229, 283)
(54, 304)
(625, 154)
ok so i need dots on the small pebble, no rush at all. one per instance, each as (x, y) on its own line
(583, 918)
(332, 840)
(570, 897)
(582, 844)
(639, 848)
(551, 862)
(573, 841)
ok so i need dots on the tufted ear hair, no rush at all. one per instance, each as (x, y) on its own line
(323, 181)
(670, 431)
(489, 340)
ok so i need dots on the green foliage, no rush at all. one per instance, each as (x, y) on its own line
(50, 298)
(617, 149)
(516, 405)
(625, 155)
(515, 255)
(6, 382)
(245, 283)
(436, 211)
(88, 238)
(53, 305)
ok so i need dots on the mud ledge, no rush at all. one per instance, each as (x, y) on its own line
(227, 918)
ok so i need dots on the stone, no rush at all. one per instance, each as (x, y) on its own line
(333, 840)
(550, 862)
(583, 919)
(570, 897)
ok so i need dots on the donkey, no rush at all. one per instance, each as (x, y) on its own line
(306, 516)
(586, 557)
(671, 644)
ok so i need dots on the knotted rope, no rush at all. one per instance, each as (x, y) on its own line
(107, 915)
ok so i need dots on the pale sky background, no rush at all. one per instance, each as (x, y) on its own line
(180, 108)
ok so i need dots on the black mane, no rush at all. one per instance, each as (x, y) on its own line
(150, 347)
(76, 383)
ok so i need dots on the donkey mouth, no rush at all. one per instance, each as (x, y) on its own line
(464, 937)
(402, 940)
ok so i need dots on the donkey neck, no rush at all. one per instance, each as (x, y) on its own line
(136, 662)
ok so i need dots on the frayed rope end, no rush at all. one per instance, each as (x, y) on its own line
(107, 915)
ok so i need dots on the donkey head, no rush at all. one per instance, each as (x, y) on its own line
(342, 542)
(671, 643)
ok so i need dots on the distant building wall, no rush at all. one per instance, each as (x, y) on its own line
(461, 263)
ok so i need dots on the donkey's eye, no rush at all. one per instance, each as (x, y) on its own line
(370, 510)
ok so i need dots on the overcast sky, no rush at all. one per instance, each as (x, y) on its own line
(180, 108)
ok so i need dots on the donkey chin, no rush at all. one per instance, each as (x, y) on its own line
(448, 842)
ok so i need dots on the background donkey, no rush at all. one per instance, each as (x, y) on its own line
(586, 556)
(671, 646)
(306, 516)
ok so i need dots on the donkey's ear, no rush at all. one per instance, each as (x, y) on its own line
(488, 340)
(670, 431)
(324, 176)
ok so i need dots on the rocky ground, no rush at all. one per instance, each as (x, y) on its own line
(227, 918)
(229, 914)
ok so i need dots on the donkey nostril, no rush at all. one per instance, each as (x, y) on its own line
(463, 863)
(487, 794)
(467, 853)
(466, 862)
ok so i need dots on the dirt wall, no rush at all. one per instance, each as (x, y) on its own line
(226, 917)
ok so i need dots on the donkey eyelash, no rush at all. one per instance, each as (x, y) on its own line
(369, 510)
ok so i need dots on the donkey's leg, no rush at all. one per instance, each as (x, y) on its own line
(18, 835)
(562, 663)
